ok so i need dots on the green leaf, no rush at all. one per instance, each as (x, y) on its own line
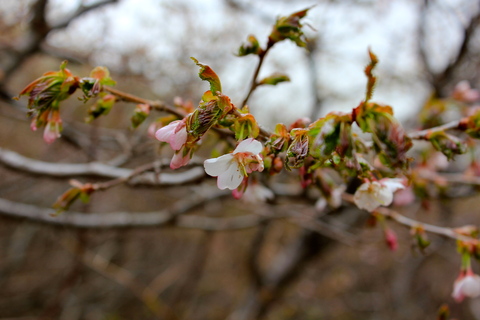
(206, 73)
(251, 47)
(274, 79)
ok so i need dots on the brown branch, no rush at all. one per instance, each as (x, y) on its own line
(254, 84)
(157, 104)
(40, 29)
(440, 80)
(81, 10)
(161, 106)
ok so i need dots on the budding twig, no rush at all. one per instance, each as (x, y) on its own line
(157, 104)
(422, 134)
(411, 223)
(254, 83)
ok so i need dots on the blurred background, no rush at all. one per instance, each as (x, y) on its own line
(335, 268)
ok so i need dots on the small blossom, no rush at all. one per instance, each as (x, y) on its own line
(404, 197)
(391, 239)
(463, 92)
(321, 204)
(175, 134)
(53, 127)
(466, 285)
(257, 193)
(372, 194)
(180, 158)
(233, 167)
(335, 199)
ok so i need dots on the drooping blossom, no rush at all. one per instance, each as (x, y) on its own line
(254, 193)
(53, 127)
(373, 194)
(404, 197)
(175, 134)
(463, 92)
(231, 168)
(391, 239)
(467, 285)
(181, 158)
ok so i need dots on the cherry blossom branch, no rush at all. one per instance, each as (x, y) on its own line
(157, 104)
(162, 106)
(411, 223)
(422, 134)
(254, 84)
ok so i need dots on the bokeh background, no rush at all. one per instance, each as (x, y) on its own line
(341, 269)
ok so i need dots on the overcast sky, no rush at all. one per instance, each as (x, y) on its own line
(161, 35)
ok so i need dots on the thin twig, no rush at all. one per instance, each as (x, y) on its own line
(422, 134)
(157, 104)
(411, 223)
(254, 84)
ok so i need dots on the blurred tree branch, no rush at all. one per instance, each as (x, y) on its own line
(439, 81)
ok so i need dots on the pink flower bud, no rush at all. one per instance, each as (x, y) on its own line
(391, 239)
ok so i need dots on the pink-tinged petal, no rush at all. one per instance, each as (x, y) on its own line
(391, 239)
(249, 145)
(216, 166)
(231, 178)
(457, 294)
(254, 167)
(163, 134)
(173, 135)
(51, 133)
(179, 160)
(404, 197)
(178, 139)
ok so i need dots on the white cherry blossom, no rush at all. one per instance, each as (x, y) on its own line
(467, 285)
(233, 167)
(373, 194)
(257, 193)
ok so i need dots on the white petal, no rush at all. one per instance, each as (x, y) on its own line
(231, 178)
(364, 200)
(393, 184)
(216, 166)
(470, 286)
(249, 145)
(383, 195)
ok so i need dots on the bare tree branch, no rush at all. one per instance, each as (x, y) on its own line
(81, 10)
(439, 81)
(172, 217)
(68, 170)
